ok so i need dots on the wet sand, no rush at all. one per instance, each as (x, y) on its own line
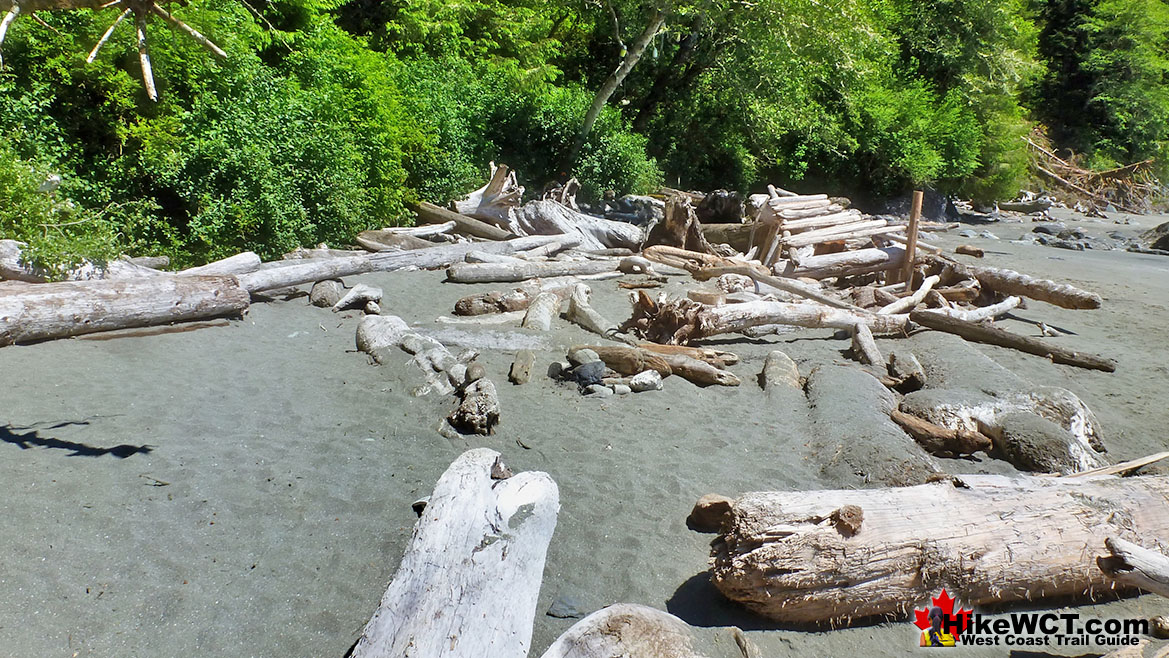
(245, 490)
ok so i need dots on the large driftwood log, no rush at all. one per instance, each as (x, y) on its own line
(864, 348)
(72, 308)
(629, 360)
(907, 303)
(989, 538)
(551, 218)
(514, 300)
(241, 263)
(14, 267)
(1135, 566)
(386, 240)
(541, 310)
(626, 630)
(982, 313)
(494, 201)
(787, 285)
(469, 581)
(478, 412)
(848, 263)
(1010, 282)
(308, 271)
(522, 271)
(995, 336)
(428, 213)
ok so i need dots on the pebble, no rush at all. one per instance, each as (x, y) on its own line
(598, 391)
(650, 380)
(582, 356)
(475, 372)
(622, 389)
(710, 513)
(589, 373)
(988, 235)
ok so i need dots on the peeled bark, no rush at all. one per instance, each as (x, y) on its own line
(989, 539)
(56, 310)
(469, 581)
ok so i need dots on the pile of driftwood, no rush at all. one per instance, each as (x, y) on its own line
(1132, 188)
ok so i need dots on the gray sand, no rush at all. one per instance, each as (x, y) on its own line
(245, 490)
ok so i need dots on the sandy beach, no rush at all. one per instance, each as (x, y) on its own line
(245, 489)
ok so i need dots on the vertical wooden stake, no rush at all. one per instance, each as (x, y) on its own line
(911, 243)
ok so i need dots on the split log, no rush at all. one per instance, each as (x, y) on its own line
(543, 308)
(629, 360)
(1009, 282)
(983, 313)
(478, 412)
(494, 201)
(942, 441)
(864, 348)
(298, 272)
(522, 271)
(680, 228)
(699, 372)
(907, 303)
(626, 630)
(242, 263)
(483, 535)
(995, 336)
(551, 218)
(428, 213)
(1135, 566)
(991, 538)
(72, 308)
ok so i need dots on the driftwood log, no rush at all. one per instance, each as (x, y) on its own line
(514, 300)
(626, 630)
(478, 412)
(864, 348)
(993, 335)
(42, 311)
(992, 538)
(679, 228)
(14, 267)
(551, 218)
(494, 201)
(521, 271)
(469, 581)
(1135, 566)
(940, 440)
(1010, 282)
(428, 213)
(629, 360)
(848, 263)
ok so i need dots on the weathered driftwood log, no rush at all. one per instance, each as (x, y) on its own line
(938, 440)
(983, 313)
(494, 201)
(811, 238)
(357, 297)
(848, 263)
(387, 240)
(738, 236)
(300, 253)
(469, 581)
(809, 222)
(626, 630)
(864, 348)
(551, 218)
(543, 308)
(521, 271)
(428, 213)
(478, 412)
(72, 308)
(581, 313)
(15, 268)
(699, 372)
(484, 257)
(308, 271)
(993, 539)
(680, 228)
(907, 303)
(717, 358)
(241, 263)
(514, 300)
(787, 285)
(1136, 566)
(521, 367)
(1009, 282)
(629, 360)
(780, 372)
(995, 336)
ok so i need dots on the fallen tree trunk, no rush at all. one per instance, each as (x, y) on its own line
(541, 310)
(241, 263)
(72, 308)
(428, 213)
(907, 303)
(1135, 566)
(522, 271)
(1010, 282)
(993, 335)
(989, 539)
(469, 581)
(298, 272)
(679, 228)
(629, 360)
(627, 630)
(551, 218)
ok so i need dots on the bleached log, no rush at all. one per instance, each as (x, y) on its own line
(15, 268)
(626, 630)
(357, 297)
(495, 201)
(859, 223)
(699, 372)
(628, 360)
(242, 263)
(551, 218)
(1136, 566)
(785, 555)
(513, 318)
(983, 313)
(422, 231)
(298, 272)
(300, 253)
(484, 257)
(468, 584)
(907, 303)
(543, 308)
(72, 308)
(864, 348)
(780, 372)
(383, 240)
(995, 336)
(1010, 282)
(581, 313)
(522, 271)
(428, 213)
(787, 285)
(805, 239)
(514, 300)
(901, 239)
(539, 252)
(848, 263)
(821, 221)
(831, 209)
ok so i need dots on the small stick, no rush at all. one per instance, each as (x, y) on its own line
(106, 37)
(144, 57)
(202, 40)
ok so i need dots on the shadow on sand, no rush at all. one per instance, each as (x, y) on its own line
(28, 437)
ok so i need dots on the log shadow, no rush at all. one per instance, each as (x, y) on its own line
(28, 437)
(699, 603)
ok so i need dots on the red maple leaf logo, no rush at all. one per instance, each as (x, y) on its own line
(946, 603)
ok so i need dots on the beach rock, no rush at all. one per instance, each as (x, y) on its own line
(567, 606)
(988, 235)
(590, 373)
(377, 333)
(1049, 229)
(622, 389)
(650, 380)
(325, 294)
(475, 372)
(1032, 443)
(710, 513)
(904, 367)
(478, 413)
(521, 368)
(372, 308)
(559, 370)
(1066, 244)
(598, 391)
(968, 233)
(1158, 238)
(582, 356)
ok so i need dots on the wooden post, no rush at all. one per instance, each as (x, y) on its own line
(911, 239)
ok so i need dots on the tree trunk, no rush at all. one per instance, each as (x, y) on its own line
(551, 218)
(988, 539)
(993, 335)
(56, 310)
(541, 310)
(242, 263)
(633, 54)
(495, 201)
(628, 630)
(470, 578)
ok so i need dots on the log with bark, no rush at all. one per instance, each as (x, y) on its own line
(495, 201)
(991, 539)
(551, 218)
(993, 335)
(626, 630)
(57, 310)
(469, 581)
